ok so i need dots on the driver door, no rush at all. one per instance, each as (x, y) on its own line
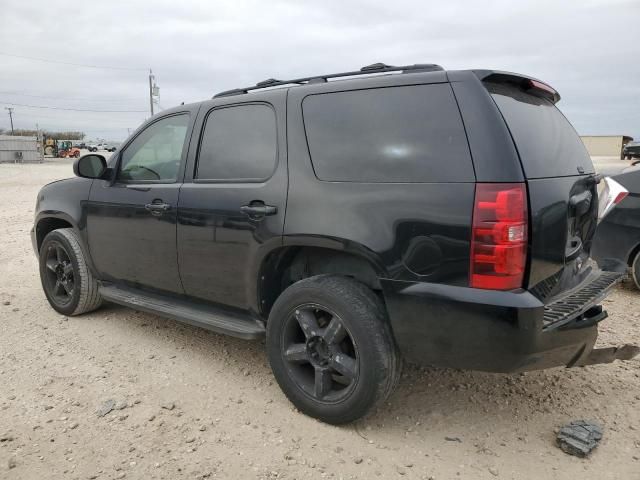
(131, 222)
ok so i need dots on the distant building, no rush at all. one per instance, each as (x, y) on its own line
(17, 149)
(605, 145)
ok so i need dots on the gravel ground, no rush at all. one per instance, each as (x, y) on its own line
(193, 404)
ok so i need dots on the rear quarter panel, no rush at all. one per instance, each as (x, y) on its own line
(425, 226)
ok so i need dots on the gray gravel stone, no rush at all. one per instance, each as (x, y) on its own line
(106, 407)
(579, 437)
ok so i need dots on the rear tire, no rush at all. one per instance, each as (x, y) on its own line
(331, 349)
(67, 281)
(635, 270)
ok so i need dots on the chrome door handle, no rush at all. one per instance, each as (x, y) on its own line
(157, 208)
(258, 210)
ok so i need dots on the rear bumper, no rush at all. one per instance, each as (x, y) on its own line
(495, 331)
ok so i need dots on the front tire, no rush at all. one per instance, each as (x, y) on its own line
(635, 270)
(331, 349)
(67, 281)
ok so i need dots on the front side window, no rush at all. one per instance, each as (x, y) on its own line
(155, 154)
(239, 143)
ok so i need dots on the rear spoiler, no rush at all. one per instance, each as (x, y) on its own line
(528, 84)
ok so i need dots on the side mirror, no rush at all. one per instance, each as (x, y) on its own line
(90, 166)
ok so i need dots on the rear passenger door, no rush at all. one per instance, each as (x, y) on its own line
(232, 204)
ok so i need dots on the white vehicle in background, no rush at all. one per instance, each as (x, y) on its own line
(94, 147)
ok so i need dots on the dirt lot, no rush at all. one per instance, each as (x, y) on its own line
(199, 405)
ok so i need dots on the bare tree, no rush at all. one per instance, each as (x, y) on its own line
(71, 135)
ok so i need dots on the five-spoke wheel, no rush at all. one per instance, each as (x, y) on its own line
(321, 354)
(58, 279)
(66, 278)
(331, 349)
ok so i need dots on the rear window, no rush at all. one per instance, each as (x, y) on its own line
(547, 143)
(396, 134)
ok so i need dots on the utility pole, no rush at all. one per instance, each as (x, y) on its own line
(10, 117)
(154, 90)
(151, 91)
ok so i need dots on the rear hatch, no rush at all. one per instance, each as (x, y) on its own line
(561, 183)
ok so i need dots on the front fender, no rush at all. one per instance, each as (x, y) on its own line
(59, 203)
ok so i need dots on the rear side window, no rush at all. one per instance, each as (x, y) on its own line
(547, 143)
(396, 134)
(238, 143)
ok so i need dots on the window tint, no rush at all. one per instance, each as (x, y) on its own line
(155, 154)
(239, 143)
(397, 134)
(547, 143)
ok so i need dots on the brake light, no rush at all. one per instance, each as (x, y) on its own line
(621, 196)
(542, 89)
(541, 86)
(610, 194)
(499, 236)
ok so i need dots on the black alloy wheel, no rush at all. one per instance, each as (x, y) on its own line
(320, 354)
(67, 281)
(59, 278)
(331, 348)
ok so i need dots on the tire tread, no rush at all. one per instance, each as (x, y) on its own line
(367, 308)
(90, 298)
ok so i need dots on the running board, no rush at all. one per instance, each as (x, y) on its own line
(199, 315)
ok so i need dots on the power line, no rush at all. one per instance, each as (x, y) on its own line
(106, 67)
(65, 98)
(73, 109)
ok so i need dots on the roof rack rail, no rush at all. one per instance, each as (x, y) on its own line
(368, 70)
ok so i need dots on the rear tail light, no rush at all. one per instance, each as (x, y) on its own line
(499, 236)
(621, 196)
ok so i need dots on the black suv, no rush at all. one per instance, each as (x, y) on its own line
(353, 219)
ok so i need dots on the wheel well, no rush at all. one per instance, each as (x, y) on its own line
(288, 265)
(47, 225)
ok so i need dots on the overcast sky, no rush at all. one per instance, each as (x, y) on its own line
(588, 50)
